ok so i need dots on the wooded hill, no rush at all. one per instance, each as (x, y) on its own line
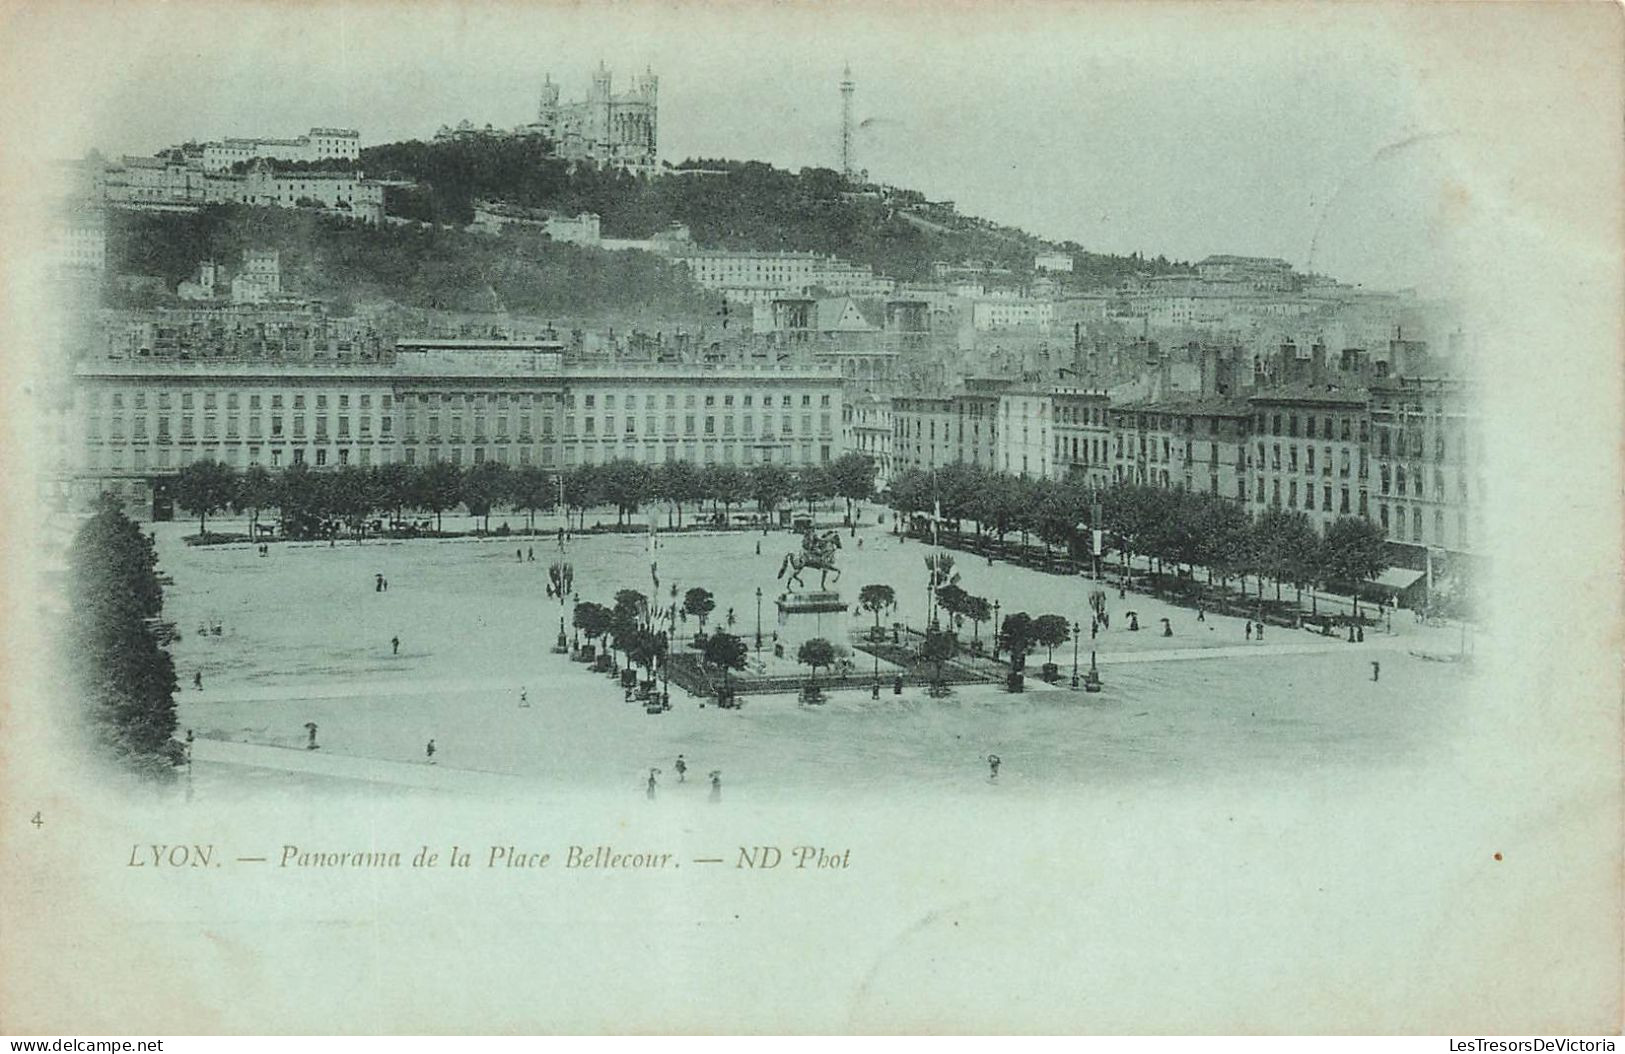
(733, 205)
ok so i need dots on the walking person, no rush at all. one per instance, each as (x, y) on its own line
(993, 763)
(197, 680)
(651, 784)
(1249, 629)
(530, 554)
(682, 768)
(428, 752)
(1376, 670)
(1260, 631)
(394, 645)
(524, 698)
(716, 785)
(1201, 613)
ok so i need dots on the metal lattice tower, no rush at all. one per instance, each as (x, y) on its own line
(846, 123)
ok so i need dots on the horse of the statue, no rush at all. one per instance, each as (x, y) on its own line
(818, 553)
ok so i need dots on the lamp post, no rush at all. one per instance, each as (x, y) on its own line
(1077, 631)
(758, 620)
(665, 668)
(995, 631)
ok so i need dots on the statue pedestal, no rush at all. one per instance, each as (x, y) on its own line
(814, 602)
(805, 616)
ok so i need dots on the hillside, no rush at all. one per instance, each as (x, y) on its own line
(732, 204)
(346, 262)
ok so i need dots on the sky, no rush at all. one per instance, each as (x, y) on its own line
(1166, 129)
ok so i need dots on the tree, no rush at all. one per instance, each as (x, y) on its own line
(530, 489)
(728, 485)
(853, 476)
(626, 484)
(395, 487)
(1017, 636)
(953, 599)
(699, 603)
(978, 611)
(679, 483)
(816, 653)
(582, 487)
(814, 484)
(1355, 551)
(204, 488)
(483, 485)
(351, 496)
(593, 620)
(937, 648)
(770, 485)
(439, 487)
(1285, 542)
(123, 678)
(300, 498)
(876, 598)
(726, 652)
(256, 489)
(1050, 632)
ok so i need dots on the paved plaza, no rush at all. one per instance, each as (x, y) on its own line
(306, 637)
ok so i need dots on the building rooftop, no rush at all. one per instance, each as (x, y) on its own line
(1207, 406)
(1313, 393)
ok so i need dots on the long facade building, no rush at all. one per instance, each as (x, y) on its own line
(1403, 453)
(136, 422)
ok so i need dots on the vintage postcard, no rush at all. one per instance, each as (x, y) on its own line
(758, 518)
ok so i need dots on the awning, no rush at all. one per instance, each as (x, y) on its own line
(1398, 578)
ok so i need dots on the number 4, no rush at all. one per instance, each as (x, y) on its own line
(36, 821)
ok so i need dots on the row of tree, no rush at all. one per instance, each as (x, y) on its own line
(352, 495)
(1170, 526)
(123, 677)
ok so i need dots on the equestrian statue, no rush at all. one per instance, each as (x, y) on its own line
(817, 553)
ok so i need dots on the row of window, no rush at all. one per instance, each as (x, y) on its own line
(591, 401)
(692, 424)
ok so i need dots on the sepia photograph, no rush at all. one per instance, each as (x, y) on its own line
(744, 518)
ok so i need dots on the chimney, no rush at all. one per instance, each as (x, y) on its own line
(1208, 356)
(1317, 364)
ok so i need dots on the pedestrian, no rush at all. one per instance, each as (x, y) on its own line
(1201, 613)
(386, 585)
(530, 554)
(1260, 626)
(860, 543)
(394, 645)
(310, 727)
(682, 769)
(716, 785)
(197, 680)
(758, 547)
(524, 697)
(1249, 629)
(1167, 628)
(428, 752)
(377, 583)
(1376, 670)
(519, 555)
(651, 785)
(993, 763)
(1359, 634)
